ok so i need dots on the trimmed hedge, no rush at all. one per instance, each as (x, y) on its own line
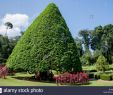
(105, 77)
(46, 44)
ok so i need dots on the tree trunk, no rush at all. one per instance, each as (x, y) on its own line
(44, 75)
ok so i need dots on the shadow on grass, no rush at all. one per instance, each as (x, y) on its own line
(46, 81)
(32, 79)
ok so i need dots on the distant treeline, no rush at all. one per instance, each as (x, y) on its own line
(93, 43)
(6, 47)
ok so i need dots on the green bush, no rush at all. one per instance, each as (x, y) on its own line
(105, 77)
(101, 64)
(46, 44)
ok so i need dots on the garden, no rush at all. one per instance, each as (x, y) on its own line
(46, 54)
(26, 79)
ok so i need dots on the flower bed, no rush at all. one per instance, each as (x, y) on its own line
(75, 78)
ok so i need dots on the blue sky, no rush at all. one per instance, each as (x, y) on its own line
(79, 14)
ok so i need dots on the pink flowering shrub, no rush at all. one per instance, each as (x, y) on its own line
(3, 71)
(75, 78)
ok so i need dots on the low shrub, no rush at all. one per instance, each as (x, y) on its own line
(3, 71)
(105, 77)
(91, 75)
(75, 78)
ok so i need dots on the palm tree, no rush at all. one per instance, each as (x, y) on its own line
(8, 25)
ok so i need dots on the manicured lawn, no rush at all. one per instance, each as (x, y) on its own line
(99, 83)
(18, 80)
(92, 67)
(10, 81)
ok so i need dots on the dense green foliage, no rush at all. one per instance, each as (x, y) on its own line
(105, 77)
(46, 44)
(87, 58)
(6, 47)
(85, 38)
(79, 46)
(100, 40)
(101, 64)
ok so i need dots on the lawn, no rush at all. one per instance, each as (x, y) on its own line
(15, 81)
(92, 67)
(99, 83)
(18, 80)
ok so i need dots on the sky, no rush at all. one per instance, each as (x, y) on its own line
(78, 14)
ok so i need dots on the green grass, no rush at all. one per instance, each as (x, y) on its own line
(11, 81)
(15, 81)
(99, 83)
(92, 67)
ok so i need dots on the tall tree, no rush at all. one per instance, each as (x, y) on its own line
(8, 25)
(85, 38)
(96, 36)
(47, 44)
(102, 39)
(6, 47)
(78, 42)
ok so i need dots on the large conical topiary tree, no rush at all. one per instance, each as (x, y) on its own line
(46, 44)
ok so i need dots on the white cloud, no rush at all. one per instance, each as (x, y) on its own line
(2, 29)
(18, 20)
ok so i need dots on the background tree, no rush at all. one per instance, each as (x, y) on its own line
(99, 41)
(6, 44)
(78, 43)
(102, 39)
(96, 54)
(86, 58)
(96, 35)
(6, 47)
(101, 64)
(8, 25)
(85, 39)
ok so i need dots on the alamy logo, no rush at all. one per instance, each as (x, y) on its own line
(0, 90)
